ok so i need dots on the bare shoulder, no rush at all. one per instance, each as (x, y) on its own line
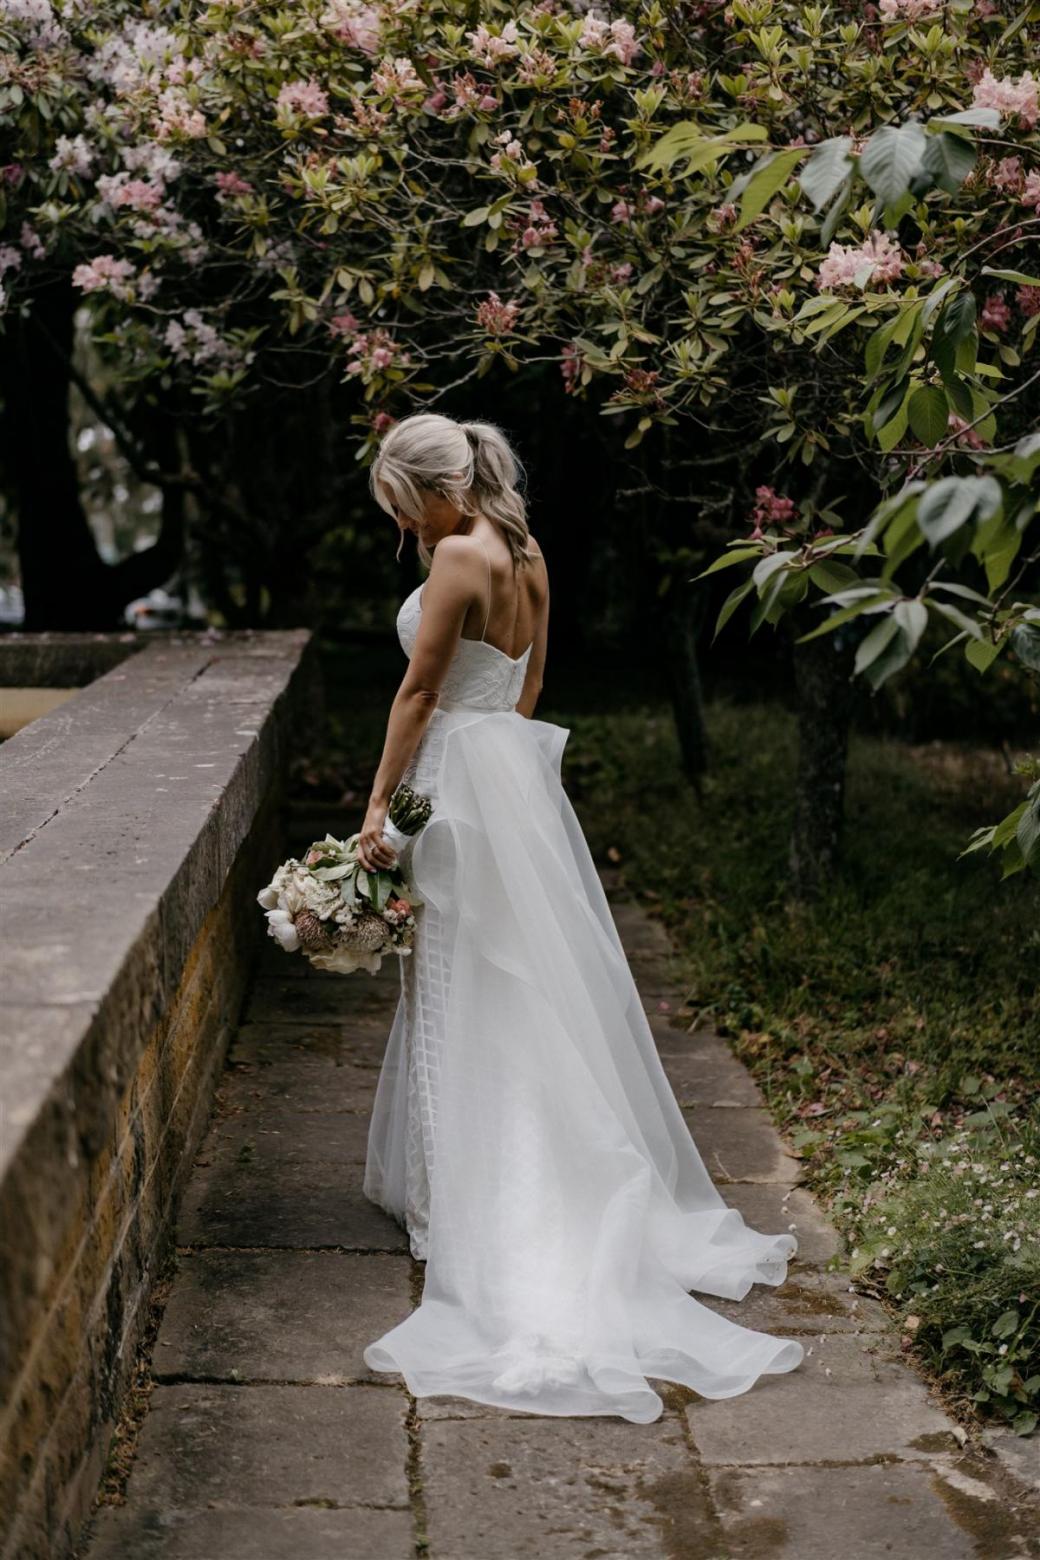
(456, 558)
(534, 547)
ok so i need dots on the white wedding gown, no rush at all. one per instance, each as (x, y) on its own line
(523, 1130)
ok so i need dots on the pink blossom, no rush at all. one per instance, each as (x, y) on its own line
(491, 48)
(10, 259)
(381, 422)
(119, 190)
(1007, 174)
(1028, 300)
(967, 438)
(540, 230)
(31, 242)
(231, 183)
(355, 24)
(11, 173)
(848, 265)
(571, 362)
(372, 352)
(72, 154)
(908, 10)
(178, 117)
(617, 38)
(302, 98)
(1008, 96)
(995, 313)
(621, 211)
(723, 216)
(395, 77)
(620, 273)
(1031, 191)
(344, 324)
(650, 205)
(771, 508)
(105, 274)
(495, 316)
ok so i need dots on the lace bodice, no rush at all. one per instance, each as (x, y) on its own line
(480, 675)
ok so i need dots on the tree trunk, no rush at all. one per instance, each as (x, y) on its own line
(825, 697)
(66, 584)
(681, 617)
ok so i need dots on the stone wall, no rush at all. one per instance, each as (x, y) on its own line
(138, 822)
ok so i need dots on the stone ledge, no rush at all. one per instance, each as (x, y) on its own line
(144, 813)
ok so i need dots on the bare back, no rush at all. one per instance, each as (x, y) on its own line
(509, 620)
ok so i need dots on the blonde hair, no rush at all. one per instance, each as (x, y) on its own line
(472, 464)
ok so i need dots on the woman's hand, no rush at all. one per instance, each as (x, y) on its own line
(375, 853)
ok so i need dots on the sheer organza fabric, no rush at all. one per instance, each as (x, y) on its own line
(569, 1210)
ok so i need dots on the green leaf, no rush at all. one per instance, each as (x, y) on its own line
(948, 159)
(730, 605)
(831, 576)
(1011, 276)
(981, 656)
(826, 170)
(764, 183)
(726, 559)
(474, 218)
(945, 507)
(1025, 642)
(929, 414)
(876, 642)
(891, 157)
(686, 143)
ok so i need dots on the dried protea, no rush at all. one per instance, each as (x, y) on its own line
(367, 934)
(314, 934)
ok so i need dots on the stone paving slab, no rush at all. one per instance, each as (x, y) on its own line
(277, 1132)
(850, 1399)
(740, 1143)
(705, 1072)
(772, 1207)
(128, 1533)
(250, 1086)
(879, 1511)
(261, 1446)
(298, 1204)
(279, 1315)
(355, 1041)
(512, 1487)
(802, 1305)
(295, 1001)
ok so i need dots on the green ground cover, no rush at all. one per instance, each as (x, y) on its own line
(894, 1028)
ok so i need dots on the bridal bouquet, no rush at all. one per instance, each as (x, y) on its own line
(343, 917)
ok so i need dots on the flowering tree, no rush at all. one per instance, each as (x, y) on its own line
(705, 217)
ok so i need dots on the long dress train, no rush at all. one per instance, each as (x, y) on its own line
(524, 1131)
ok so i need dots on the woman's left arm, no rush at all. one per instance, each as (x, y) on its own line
(454, 580)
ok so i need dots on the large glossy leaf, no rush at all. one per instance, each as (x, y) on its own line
(929, 414)
(826, 170)
(891, 157)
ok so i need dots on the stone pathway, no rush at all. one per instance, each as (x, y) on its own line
(266, 1437)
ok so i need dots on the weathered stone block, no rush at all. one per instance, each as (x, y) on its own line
(505, 1488)
(279, 1315)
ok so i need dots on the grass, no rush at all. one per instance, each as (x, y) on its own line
(894, 1027)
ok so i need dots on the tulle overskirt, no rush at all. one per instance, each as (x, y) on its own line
(570, 1211)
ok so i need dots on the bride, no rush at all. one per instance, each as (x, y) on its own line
(523, 1131)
